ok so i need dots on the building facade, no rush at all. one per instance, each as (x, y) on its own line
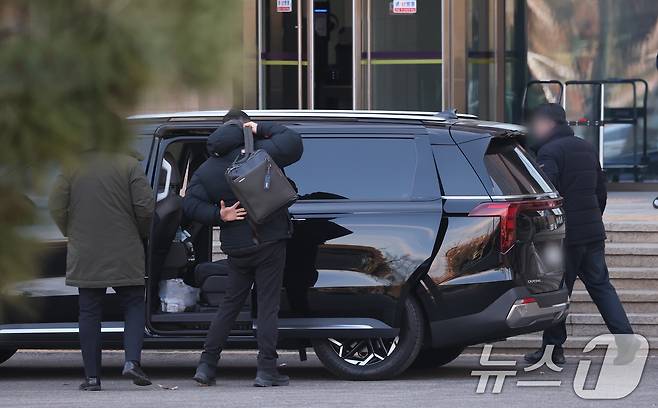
(476, 56)
(380, 54)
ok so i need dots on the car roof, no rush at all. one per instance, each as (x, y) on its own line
(201, 118)
(303, 114)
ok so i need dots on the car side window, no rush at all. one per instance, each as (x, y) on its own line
(457, 176)
(365, 169)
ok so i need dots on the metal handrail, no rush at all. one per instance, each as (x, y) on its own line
(524, 100)
(602, 119)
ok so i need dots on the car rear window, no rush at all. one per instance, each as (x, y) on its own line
(513, 171)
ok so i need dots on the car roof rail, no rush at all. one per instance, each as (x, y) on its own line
(448, 114)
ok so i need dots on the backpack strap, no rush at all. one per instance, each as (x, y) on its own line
(248, 140)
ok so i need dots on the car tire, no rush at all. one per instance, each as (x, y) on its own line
(436, 357)
(6, 355)
(375, 358)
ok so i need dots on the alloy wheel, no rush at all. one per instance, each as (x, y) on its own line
(364, 352)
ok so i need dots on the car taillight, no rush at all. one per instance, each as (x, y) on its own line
(508, 212)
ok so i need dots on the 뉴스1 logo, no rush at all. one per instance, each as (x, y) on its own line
(619, 375)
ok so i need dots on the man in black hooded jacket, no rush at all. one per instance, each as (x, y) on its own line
(572, 165)
(254, 257)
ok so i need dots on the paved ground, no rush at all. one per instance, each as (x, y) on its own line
(50, 379)
(633, 206)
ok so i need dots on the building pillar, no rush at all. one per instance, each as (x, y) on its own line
(454, 54)
(245, 84)
(499, 60)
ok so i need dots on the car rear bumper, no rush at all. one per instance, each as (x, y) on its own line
(515, 312)
(523, 313)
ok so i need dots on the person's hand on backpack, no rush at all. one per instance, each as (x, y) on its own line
(253, 126)
(232, 213)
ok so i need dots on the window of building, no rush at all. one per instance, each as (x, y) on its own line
(402, 57)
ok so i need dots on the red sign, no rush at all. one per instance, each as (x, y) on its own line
(404, 7)
(284, 6)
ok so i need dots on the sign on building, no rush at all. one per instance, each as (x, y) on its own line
(404, 6)
(284, 6)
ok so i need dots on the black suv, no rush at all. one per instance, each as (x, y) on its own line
(415, 235)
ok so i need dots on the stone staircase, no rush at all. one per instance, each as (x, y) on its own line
(632, 258)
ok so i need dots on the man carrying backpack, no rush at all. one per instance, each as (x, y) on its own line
(255, 254)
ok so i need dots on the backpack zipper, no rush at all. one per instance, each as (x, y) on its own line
(268, 176)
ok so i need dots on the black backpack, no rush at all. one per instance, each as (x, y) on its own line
(258, 182)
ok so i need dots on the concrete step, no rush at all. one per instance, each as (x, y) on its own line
(632, 254)
(631, 232)
(643, 301)
(626, 295)
(629, 307)
(574, 345)
(630, 278)
(592, 324)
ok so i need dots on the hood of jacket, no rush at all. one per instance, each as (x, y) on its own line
(225, 139)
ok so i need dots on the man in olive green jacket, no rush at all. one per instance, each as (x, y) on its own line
(104, 206)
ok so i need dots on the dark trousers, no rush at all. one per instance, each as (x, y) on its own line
(264, 268)
(587, 262)
(91, 311)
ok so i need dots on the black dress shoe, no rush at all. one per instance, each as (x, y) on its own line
(205, 374)
(133, 371)
(535, 356)
(270, 377)
(558, 356)
(627, 348)
(91, 384)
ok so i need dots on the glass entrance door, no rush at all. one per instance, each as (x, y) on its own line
(401, 61)
(332, 54)
(345, 54)
(304, 42)
(282, 61)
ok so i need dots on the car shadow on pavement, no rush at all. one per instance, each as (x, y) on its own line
(174, 368)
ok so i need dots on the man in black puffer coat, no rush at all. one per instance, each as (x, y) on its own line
(254, 256)
(573, 167)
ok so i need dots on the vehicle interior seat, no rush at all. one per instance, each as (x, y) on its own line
(169, 258)
(212, 280)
